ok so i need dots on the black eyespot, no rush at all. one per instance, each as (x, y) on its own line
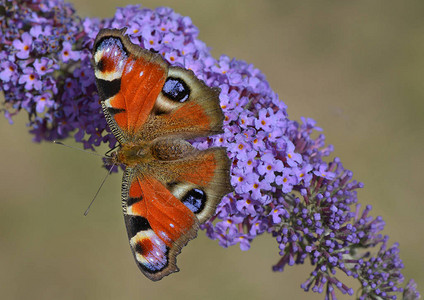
(195, 200)
(101, 65)
(176, 89)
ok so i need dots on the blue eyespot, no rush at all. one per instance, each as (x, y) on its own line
(176, 89)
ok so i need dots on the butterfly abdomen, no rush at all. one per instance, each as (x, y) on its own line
(171, 149)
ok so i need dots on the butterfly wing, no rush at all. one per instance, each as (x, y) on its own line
(128, 80)
(164, 204)
(198, 178)
(185, 108)
(158, 224)
(143, 98)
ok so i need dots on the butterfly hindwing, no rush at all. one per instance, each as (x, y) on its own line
(185, 108)
(198, 178)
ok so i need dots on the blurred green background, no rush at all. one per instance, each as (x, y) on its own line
(355, 67)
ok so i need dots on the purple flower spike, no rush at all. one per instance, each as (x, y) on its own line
(283, 183)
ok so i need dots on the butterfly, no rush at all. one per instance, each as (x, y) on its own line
(169, 187)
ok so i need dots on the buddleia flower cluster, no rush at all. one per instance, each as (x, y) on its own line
(284, 186)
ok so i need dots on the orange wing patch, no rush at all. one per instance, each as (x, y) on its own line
(141, 84)
(191, 113)
(199, 171)
(166, 214)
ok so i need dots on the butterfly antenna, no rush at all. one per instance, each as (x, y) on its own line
(79, 149)
(100, 187)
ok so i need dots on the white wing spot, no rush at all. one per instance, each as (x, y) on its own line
(172, 225)
(141, 73)
(107, 102)
(107, 50)
(115, 53)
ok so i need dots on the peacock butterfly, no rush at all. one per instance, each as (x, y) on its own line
(169, 187)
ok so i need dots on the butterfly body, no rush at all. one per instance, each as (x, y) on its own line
(169, 187)
(132, 154)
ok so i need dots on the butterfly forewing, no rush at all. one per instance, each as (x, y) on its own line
(129, 80)
(158, 224)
